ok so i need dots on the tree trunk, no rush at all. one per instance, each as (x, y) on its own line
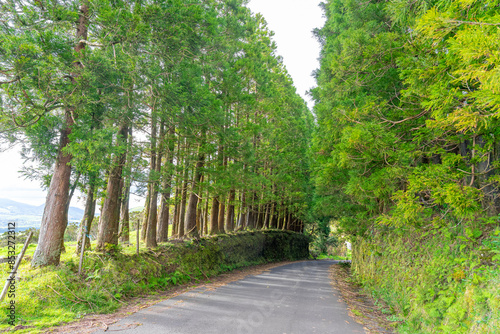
(230, 211)
(182, 214)
(250, 223)
(125, 204)
(260, 216)
(272, 223)
(144, 226)
(199, 219)
(243, 212)
(266, 217)
(155, 170)
(251, 218)
(175, 224)
(55, 214)
(166, 190)
(163, 221)
(110, 215)
(214, 216)
(288, 220)
(191, 229)
(152, 219)
(222, 209)
(283, 223)
(125, 215)
(88, 217)
(70, 196)
(205, 225)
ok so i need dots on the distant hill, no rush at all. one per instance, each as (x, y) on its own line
(26, 215)
(137, 209)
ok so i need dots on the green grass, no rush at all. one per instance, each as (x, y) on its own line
(332, 257)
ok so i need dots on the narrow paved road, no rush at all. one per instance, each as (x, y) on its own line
(292, 299)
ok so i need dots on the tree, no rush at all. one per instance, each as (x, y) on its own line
(33, 50)
(406, 114)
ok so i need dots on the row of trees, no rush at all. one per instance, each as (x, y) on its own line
(408, 110)
(184, 100)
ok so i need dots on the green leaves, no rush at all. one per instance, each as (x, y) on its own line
(406, 104)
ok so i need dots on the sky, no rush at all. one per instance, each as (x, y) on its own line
(292, 21)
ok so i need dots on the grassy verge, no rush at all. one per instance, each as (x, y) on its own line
(333, 257)
(438, 280)
(54, 295)
(375, 316)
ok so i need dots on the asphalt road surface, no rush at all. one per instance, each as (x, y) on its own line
(292, 299)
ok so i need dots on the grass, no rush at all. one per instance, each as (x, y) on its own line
(333, 257)
(44, 284)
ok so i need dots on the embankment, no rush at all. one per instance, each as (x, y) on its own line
(54, 295)
(439, 280)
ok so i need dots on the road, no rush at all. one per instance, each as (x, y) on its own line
(295, 298)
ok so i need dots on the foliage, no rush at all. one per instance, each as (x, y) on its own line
(397, 140)
(20, 238)
(438, 280)
(195, 85)
(322, 238)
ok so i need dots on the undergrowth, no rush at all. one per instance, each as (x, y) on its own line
(443, 279)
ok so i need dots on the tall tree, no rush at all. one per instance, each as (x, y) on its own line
(110, 216)
(31, 90)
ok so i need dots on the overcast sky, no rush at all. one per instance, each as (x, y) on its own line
(292, 22)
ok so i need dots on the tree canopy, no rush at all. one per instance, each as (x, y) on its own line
(407, 109)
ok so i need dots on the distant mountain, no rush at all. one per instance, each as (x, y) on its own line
(10, 207)
(27, 215)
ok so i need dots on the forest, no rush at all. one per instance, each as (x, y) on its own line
(185, 101)
(188, 103)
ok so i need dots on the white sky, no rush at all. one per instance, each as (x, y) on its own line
(292, 22)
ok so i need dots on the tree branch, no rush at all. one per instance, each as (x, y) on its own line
(406, 119)
(473, 23)
(11, 81)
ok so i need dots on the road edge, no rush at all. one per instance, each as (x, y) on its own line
(361, 307)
